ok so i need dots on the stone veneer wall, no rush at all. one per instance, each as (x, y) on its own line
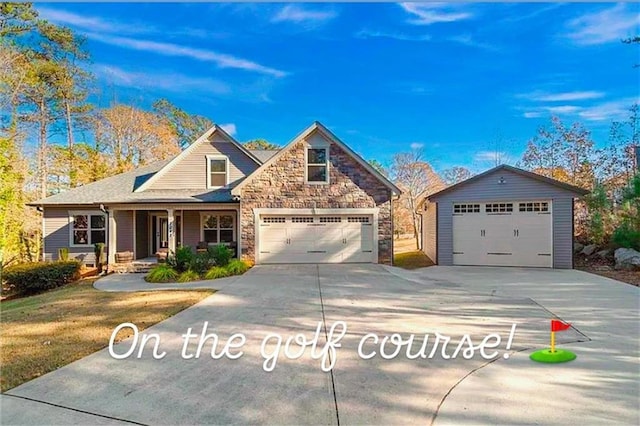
(281, 185)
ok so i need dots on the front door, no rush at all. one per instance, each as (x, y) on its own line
(162, 232)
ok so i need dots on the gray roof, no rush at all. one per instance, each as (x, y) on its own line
(571, 188)
(263, 154)
(120, 189)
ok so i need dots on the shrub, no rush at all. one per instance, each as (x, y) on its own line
(217, 272)
(162, 273)
(200, 263)
(626, 236)
(32, 278)
(237, 267)
(181, 259)
(188, 275)
(63, 254)
(221, 254)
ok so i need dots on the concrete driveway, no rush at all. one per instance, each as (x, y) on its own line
(601, 385)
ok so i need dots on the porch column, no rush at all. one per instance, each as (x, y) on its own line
(171, 230)
(111, 245)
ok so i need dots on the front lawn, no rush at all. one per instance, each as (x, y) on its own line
(411, 260)
(42, 333)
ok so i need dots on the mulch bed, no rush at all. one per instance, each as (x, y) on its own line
(604, 267)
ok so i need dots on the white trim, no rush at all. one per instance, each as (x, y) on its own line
(88, 213)
(111, 238)
(176, 206)
(327, 152)
(219, 213)
(226, 170)
(135, 237)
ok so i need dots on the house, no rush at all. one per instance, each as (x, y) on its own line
(313, 201)
(502, 217)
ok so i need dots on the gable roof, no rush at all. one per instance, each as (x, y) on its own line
(263, 154)
(202, 139)
(317, 126)
(567, 187)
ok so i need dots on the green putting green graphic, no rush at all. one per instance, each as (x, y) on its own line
(553, 355)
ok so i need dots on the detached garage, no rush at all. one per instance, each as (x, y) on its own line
(502, 217)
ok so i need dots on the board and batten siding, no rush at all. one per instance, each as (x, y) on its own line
(515, 188)
(124, 230)
(191, 171)
(57, 235)
(429, 231)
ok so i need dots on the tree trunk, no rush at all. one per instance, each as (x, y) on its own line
(42, 149)
(70, 143)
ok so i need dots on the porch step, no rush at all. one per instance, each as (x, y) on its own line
(136, 267)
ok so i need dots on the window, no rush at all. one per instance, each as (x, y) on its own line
(218, 228)
(302, 219)
(498, 208)
(217, 171)
(466, 208)
(88, 228)
(358, 219)
(317, 165)
(273, 219)
(330, 219)
(534, 207)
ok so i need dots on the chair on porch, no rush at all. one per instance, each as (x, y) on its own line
(201, 247)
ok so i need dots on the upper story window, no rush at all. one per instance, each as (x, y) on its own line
(318, 165)
(217, 171)
(88, 228)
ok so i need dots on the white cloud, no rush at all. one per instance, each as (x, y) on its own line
(493, 157)
(168, 81)
(563, 96)
(606, 26)
(612, 110)
(365, 34)
(432, 13)
(169, 49)
(468, 40)
(297, 14)
(532, 114)
(229, 128)
(417, 145)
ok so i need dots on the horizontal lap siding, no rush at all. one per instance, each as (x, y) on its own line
(191, 171)
(124, 230)
(516, 187)
(429, 231)
(191, 228)
(57, 234)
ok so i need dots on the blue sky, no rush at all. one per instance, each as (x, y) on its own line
(464, 81)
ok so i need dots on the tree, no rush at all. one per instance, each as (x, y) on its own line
(131, 137)
(379, 167)
(261, 144)
(455, 175)
(408, 171)
(562, 153)
(632, 40)
(187, 127)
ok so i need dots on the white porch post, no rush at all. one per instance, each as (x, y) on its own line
(171, 225)
(111, 246)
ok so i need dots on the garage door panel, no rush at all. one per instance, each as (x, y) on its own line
(503, 234)
(317, 239)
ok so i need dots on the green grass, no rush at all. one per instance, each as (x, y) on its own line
(217, 272)
(411, 260)
(188, 276)
(162, 273)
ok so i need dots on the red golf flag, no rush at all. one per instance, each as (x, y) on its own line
(557, 325)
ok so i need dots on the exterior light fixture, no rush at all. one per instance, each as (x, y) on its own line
(501, 181)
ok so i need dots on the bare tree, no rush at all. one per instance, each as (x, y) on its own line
(408, 171)
(455, 175)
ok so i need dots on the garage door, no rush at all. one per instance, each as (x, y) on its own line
(315, 239)
(513, 233)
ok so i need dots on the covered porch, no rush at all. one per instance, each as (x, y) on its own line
(143, 233)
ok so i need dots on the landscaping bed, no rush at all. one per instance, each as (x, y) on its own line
(44, 332)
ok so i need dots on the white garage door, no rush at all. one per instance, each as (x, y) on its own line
(513, 233)
(315, 239)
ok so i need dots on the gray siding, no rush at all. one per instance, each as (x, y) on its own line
(142, 234)
(516, 187)
(57, 234)
(124, 230)
(191, 171)
(429, 234)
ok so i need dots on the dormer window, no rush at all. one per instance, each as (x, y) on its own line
(317, 165)
(217, 171)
